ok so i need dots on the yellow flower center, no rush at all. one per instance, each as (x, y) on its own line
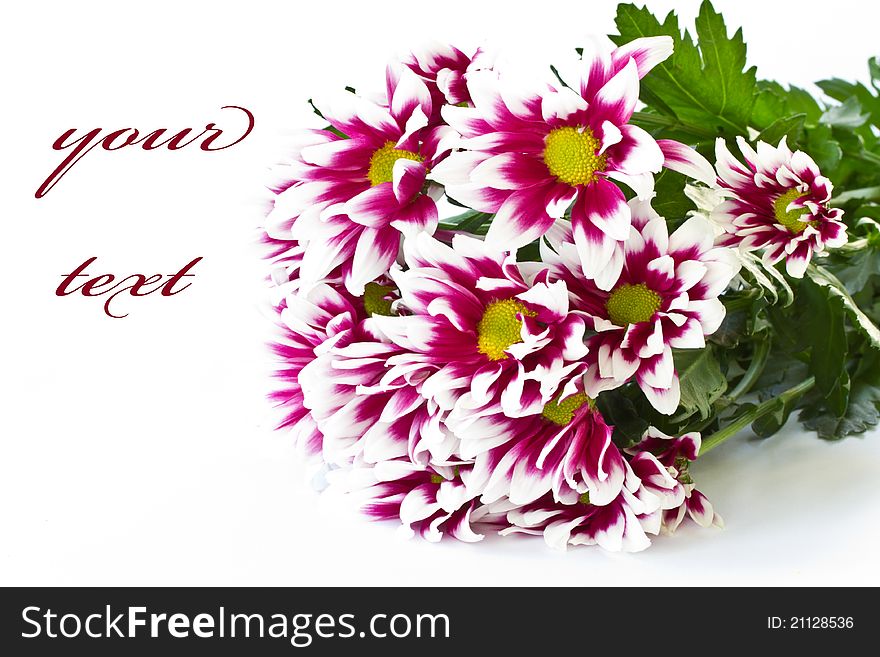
(500, 327)
(791, 219)
(571, 154)
(382, 163)
(376, 301)
(631, 304)
(585, 499)
(562, 412)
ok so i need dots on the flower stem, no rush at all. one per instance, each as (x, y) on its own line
(777, 403)
(650, 120)
(868, 156)
(756, 368)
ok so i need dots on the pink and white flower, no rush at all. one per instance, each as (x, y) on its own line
(478, 330)
(615, 526)
(365, 411)
(535, 157)
(351, 190)
(565, 448)
(331, 366)
(427, 502)
(655, 495)
(306, 325)
(665, 297)
(455, 387)
(445, 68)
(283, 257)
(778, 203)
(681, 499)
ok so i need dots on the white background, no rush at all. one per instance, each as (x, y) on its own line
(139, 451)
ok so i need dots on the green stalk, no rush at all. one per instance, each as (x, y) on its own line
(868, 156)
(753, 373)
(758, 411)
(651, 120)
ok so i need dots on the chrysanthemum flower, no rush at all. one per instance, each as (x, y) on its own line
(283, 258)
(366, 411)
(665, 297)
(778, 203)
(478, 329)
(445, 68)
(333, 391)
(655, 494)
(565, 448)
(428, 502)
(308, 323)
(352, 192)
(615, 526)
(681, 498)
(531, 158)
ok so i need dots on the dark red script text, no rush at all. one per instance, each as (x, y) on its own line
(113, 141)
(137, 285)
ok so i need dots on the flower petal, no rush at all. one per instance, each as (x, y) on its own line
(646, 51)
(374, 254)
(684, 159)
(521, 219)
(617, 98)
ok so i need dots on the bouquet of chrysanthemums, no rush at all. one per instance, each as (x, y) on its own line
(527, 306)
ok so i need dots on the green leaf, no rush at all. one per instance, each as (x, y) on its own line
(703, 84)
(872, 211)
(859, 268)
(823, 278)
(827, 333)
(874, 70)
(670, 201)
(770, 104)
(824, 149)
(774, 101)
(841, 90)
(767, 425)
(860, 415)
(701, 380)
(621, 409)
(846, 115)
(668, 126)
(781, 373)
(854, 268)
(732, 330)
(789, 126)
(768, 279)
(725, 58)
(860, 193)
(470, 222)
(838, 400)
(837, 88)
(530, 252)
(800, 101)
(862, 412)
